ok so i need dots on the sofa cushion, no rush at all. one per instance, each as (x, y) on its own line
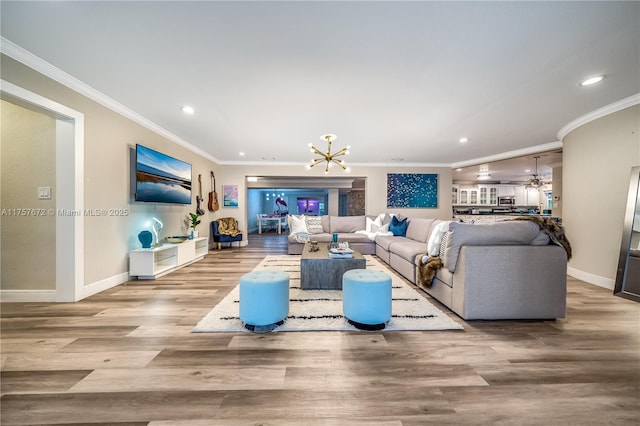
(339, 224)
(398, 226)
(408, 249)
(323, 237)
(353, 238)
(385, 241)
(445, 276)
(418, 229)
(325, 223)
(499, 233)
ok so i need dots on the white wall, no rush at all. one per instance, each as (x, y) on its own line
(597, 160)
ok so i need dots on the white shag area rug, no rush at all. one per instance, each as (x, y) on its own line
(321, 310)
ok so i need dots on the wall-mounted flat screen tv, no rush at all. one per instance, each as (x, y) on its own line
(161, 178)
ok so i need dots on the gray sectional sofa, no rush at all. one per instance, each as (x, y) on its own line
(503, 270)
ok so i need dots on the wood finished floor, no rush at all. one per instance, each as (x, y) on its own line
(126, 356)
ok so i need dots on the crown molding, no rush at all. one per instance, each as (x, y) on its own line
(27, 58)
(269, 163)
(599, 113)
(509, 154)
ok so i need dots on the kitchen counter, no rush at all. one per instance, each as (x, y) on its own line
(497, 217)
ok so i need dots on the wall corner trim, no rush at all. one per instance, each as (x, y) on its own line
(599, 113)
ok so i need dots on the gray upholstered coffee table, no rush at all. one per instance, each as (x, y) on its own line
(319, 272)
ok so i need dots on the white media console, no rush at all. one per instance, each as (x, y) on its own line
(151, 263)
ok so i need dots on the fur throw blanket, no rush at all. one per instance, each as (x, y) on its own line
(553, 229)
(228, 226)
(427, 270)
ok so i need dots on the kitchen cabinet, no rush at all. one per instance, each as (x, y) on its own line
(469, 196)
(464, 197)
(493, 196)
(520, 195)
(476, 195)
(506, 191)
(487, 195)
(533, 197)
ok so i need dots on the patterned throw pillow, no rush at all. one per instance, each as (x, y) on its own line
(314, 224)
(443, 244)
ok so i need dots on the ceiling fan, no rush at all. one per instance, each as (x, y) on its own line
(536, 180)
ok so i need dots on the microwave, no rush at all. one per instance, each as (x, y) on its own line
(507, 201)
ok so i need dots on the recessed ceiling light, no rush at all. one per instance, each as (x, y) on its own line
(188, 110)
(458, 170)
(463, 140)
(241, 154)
(592, 80)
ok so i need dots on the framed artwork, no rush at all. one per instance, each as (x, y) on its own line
(412, 190)
(230, 195)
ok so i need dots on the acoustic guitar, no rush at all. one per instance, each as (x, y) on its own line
(199, 210)
(213, 195)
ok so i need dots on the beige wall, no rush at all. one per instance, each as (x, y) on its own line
(375, 190)
(597, 160)
(109, 138)
(28, 237)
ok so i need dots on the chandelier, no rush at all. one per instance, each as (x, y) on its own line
(535, 180)
(328, 157)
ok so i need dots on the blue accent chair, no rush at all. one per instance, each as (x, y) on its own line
(222, 238)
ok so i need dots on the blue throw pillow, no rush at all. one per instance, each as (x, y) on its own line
(398, 227)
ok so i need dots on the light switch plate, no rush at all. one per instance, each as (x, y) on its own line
(44, 193)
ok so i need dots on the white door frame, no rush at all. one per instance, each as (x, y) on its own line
(69, 197)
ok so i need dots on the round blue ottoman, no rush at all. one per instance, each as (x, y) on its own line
(264, 299)
(366, 298)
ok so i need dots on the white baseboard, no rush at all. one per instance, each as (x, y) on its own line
(591, 278)
(27, 296)
(102, 285)
(30, 296)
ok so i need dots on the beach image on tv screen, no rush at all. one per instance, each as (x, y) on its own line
(161, 178)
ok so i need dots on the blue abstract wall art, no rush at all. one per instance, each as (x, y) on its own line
(412, 190)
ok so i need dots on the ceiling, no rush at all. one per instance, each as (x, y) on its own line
(401, 82)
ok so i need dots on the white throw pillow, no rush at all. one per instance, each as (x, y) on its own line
(377, 223)
(433, 246)
(297, 225)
